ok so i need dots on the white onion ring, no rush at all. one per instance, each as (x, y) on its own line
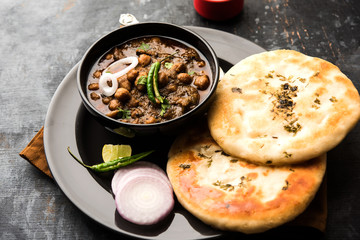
(107, 75)
(104, 87)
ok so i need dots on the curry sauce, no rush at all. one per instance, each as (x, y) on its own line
(183, 80)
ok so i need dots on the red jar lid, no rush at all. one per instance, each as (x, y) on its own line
(218, 10)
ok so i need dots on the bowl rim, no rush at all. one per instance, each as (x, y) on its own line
(207, 98)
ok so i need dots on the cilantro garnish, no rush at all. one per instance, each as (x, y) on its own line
(124, 113)
(164, 106)
(168, 65)
(142, 80)
(144, 46)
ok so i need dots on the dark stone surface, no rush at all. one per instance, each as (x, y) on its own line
(42, 40)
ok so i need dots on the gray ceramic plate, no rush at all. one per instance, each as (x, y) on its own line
(68, 124)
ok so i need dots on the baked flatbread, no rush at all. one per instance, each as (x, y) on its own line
(282, 107)
(232, 194)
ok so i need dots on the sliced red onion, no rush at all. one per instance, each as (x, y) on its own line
(116, 180)
(141, 167)
(144, 199)
(111, 73)
(143, 193)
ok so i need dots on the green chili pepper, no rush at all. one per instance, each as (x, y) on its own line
(149, 83)
(114, 164)
(156, 82)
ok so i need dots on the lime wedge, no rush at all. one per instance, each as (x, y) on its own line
(111, 152)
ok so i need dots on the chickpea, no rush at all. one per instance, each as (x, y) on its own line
(132, 74)
(193, 94)
(94, 96)
(124, 83)
(172, 73)
(170, 113)
(151, 119)
(97, 74)
(144, 60)
(179, 67)
(172, 87)
(140, 87)
(136, 113)
(163, 79)
(156, 40)
(184, 78)
(113, 114)
(152, 53)
(184, 101)
(202, 82)
(121, 78)
(114, 104)
(109, 56)
(106, 100)
(118, 54)
(133, 102)
(93, 86)
(122, 94)
(140, 51)
(201, 63)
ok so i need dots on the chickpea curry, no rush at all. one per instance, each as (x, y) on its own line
(149, 80)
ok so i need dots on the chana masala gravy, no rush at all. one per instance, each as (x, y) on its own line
(184, 79)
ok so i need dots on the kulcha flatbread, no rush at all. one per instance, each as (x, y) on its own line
(282, 107)
(231, 194)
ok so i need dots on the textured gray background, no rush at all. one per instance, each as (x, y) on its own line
(42, 40)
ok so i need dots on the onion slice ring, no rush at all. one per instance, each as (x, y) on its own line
(144, 199)
(143, 193)
(141, 167)
(105, 89)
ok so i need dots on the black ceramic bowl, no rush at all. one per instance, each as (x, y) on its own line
(124, 34)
